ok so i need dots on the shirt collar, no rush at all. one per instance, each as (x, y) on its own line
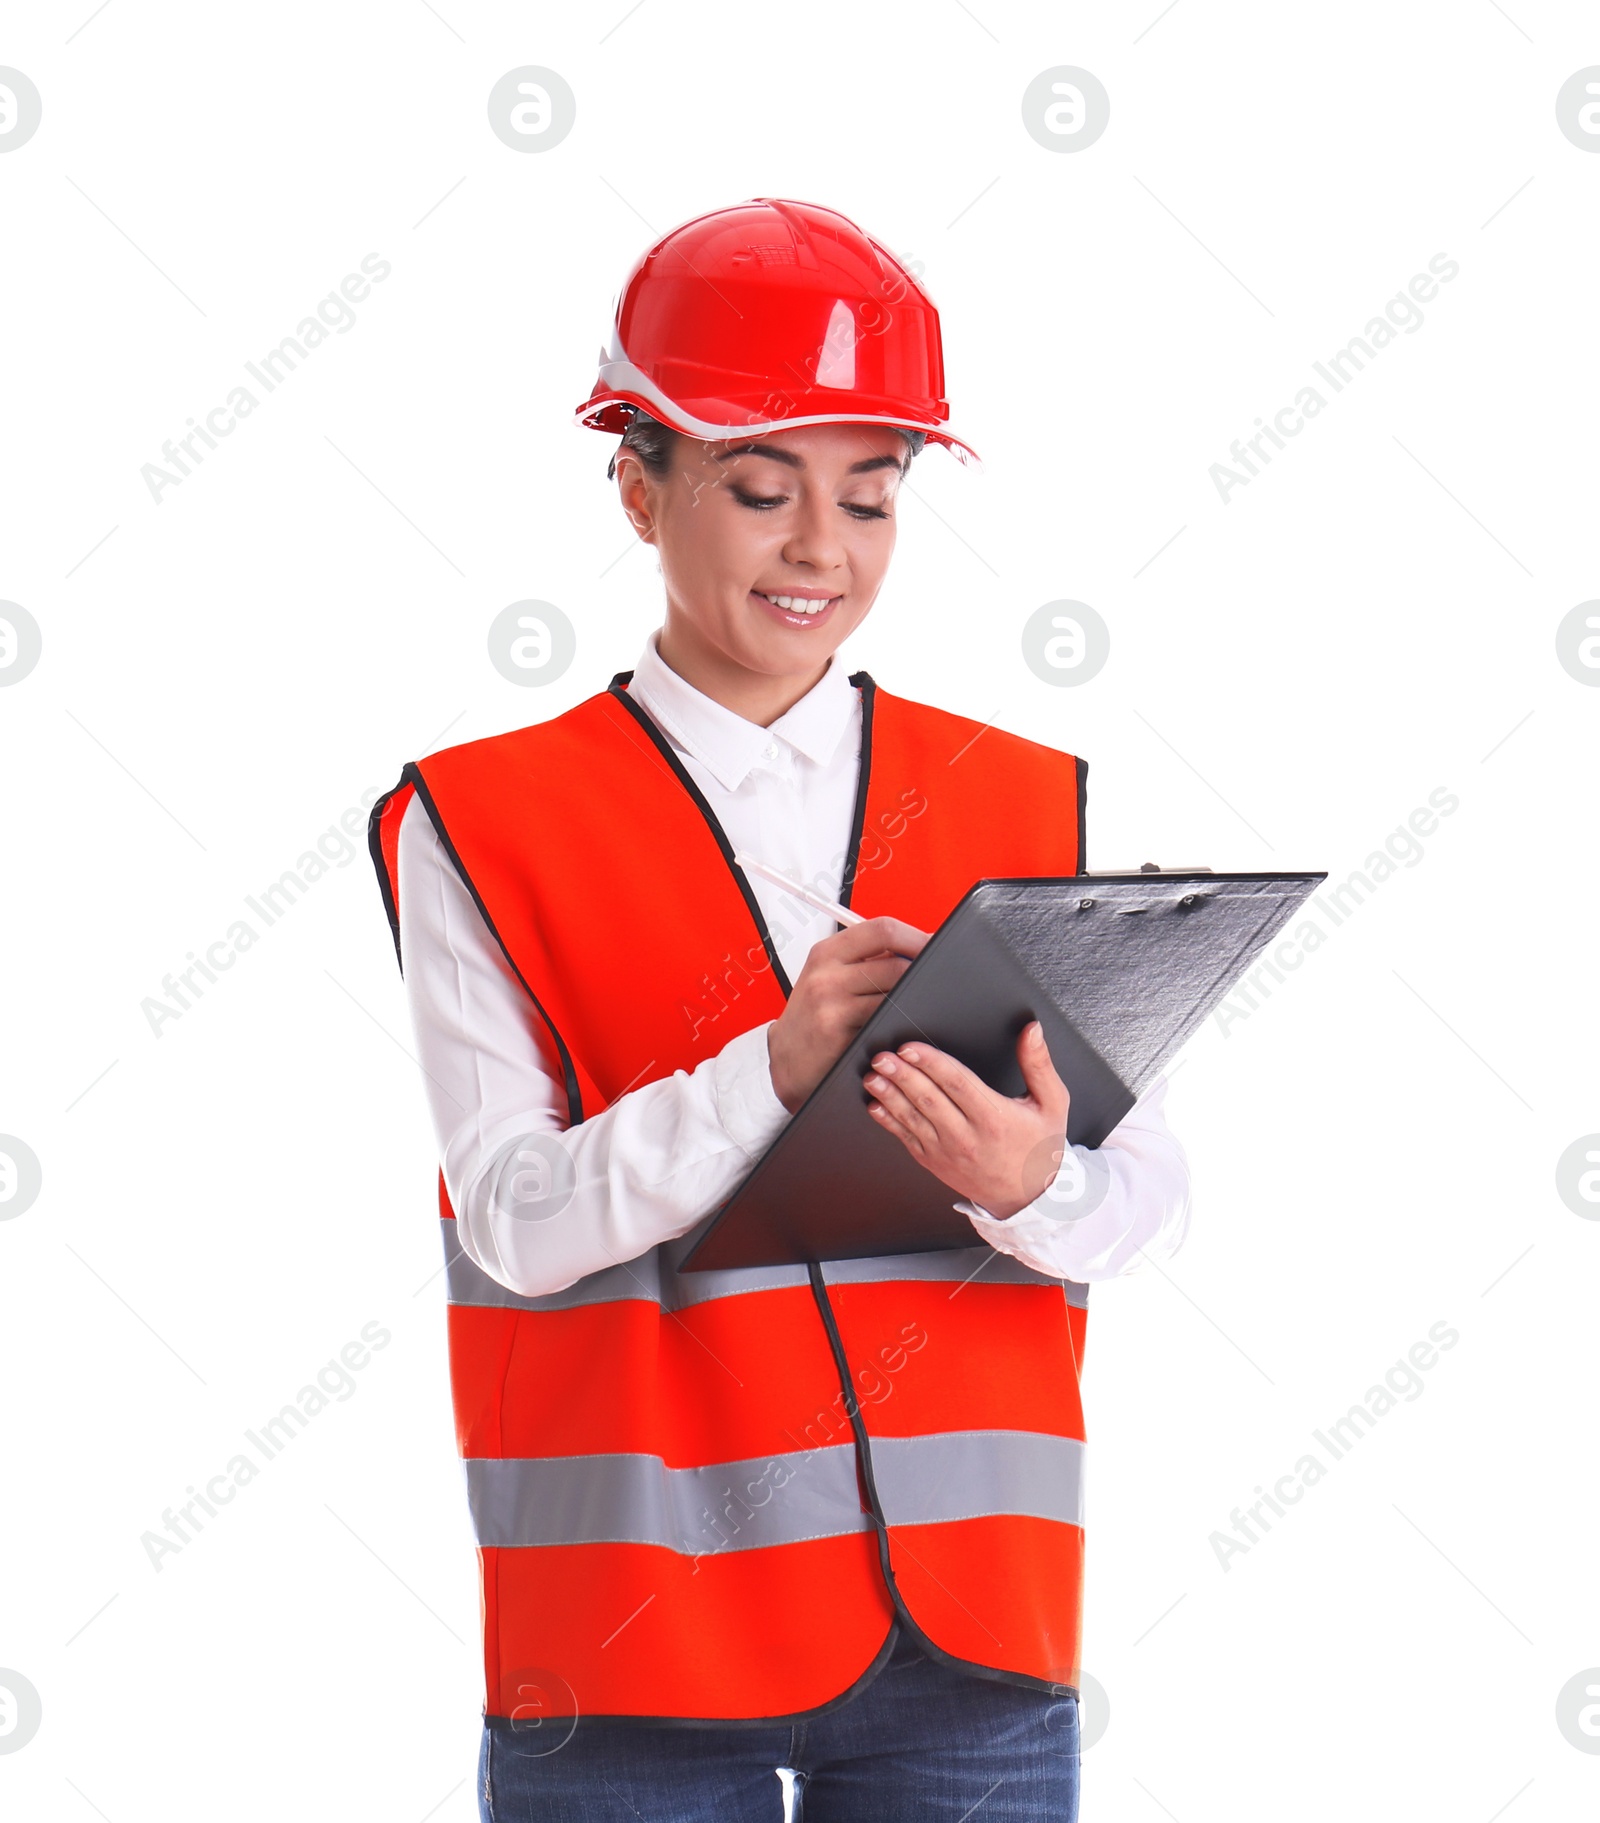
(724, 741)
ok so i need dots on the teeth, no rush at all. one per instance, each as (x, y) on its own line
(795, 604)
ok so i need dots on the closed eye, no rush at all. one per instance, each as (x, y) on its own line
(764, 503)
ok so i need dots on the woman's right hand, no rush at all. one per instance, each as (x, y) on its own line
(841, 986)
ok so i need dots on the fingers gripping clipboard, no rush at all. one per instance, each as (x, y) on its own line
(1120, 969)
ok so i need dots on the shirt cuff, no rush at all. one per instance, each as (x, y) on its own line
(1109, 1209)
(1080, 1186)
(747, 1104)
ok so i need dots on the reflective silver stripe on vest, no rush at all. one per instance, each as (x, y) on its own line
(652, 1277)
(963, 1474)
(774, 1500)
(637, 1499)
(983, 1265)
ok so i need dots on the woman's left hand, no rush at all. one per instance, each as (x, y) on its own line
(998, 1151)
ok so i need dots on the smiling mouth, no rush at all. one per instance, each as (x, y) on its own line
(798, 608)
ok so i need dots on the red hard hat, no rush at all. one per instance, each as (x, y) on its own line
(771, 314)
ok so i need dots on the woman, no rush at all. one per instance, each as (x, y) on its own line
(825, 1519)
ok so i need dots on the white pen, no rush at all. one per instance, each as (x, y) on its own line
(816, 901)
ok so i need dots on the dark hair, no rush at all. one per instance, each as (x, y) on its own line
(651, 441)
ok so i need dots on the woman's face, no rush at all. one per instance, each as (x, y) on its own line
(803, 513)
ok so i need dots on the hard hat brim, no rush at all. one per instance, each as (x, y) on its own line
(624, 386)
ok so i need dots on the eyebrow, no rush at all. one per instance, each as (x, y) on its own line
(775, 454)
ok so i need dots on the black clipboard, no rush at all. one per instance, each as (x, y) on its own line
(1120, 969)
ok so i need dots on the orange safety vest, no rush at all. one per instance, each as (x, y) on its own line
(706, 1496)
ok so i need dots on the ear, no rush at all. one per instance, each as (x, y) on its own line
(633, 490)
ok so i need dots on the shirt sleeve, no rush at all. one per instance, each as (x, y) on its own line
(1109, 1209)
(540, 1203)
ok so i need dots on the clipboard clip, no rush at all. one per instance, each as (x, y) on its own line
(1146, 867)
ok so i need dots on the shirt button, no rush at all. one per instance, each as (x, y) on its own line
(770, 751)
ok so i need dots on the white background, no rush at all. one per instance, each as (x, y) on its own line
(224, 674)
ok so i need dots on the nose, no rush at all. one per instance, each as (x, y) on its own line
(814, 539)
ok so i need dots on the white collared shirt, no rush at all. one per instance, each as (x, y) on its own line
(655, 1162)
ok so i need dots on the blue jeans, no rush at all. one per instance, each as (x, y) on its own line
(921, 1742)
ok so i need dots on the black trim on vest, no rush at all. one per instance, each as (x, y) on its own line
(413, 775)
(375, 850)
(1083, 798)
(869, 697)
(1023, 1679)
